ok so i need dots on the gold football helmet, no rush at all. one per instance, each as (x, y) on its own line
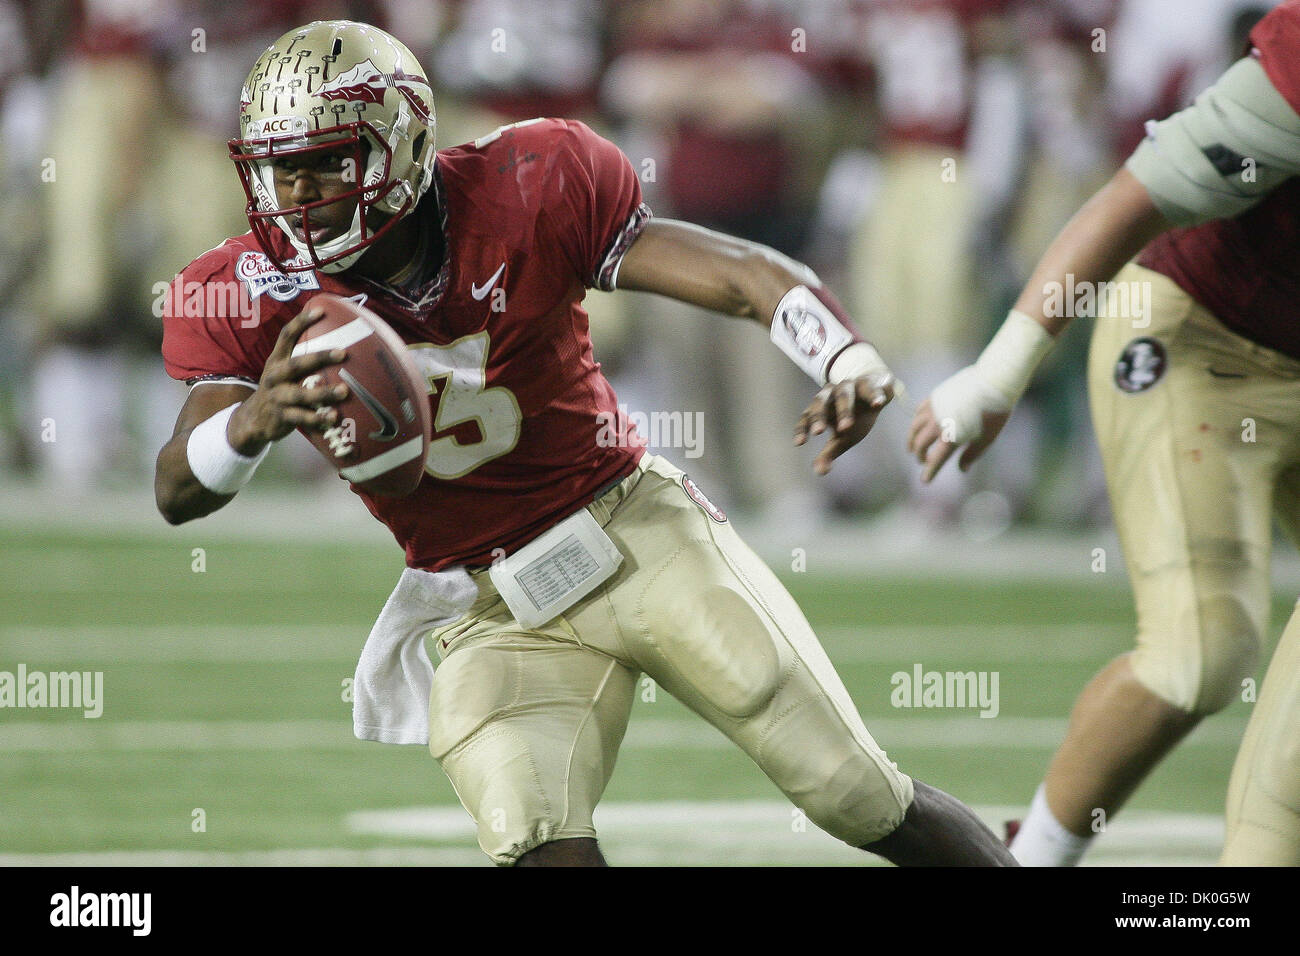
(331, 85)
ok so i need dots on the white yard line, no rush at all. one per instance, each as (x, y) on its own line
(323, 856)
(327, 511)
(128, 644)
(186, 735)
(764, 820)
(931, 732)
(648, 833)
(864, 643)
(898, 734)
(985, 644)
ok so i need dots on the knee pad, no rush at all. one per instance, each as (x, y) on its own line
(1230, 642)
(856, 802)
(854, 793)
(1201, 669)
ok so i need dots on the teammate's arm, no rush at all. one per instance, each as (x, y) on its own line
(1111, 228)
(748, 280)
(1215, 159)
(971, 407)
(262, 415)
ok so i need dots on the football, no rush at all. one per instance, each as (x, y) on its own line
(384, 425)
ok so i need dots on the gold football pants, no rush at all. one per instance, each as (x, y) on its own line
(527, 723)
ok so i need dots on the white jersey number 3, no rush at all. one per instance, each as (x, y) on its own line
(459, 372)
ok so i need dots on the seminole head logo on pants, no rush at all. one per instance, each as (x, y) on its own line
(1140, 365)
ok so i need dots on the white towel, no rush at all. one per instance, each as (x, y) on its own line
(390, 701)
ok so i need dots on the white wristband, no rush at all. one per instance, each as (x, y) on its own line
(808, 332)
(858, 361)
(1008, 362)
(217, 466)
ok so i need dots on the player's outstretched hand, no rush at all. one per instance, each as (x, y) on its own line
(933, 441)
(847, 410)
(281, 403)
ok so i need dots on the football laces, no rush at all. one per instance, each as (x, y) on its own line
(337, 435)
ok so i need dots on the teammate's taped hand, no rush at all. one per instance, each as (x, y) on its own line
(960, 402)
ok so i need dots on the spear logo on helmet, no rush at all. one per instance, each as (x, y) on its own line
(364, 83)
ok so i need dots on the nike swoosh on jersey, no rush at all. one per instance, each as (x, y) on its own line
(387, 421)
(480, 292)
(1217, 374)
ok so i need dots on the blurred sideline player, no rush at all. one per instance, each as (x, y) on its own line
(347, 195)
(111, 236)
(713, 92)
(1196, 404)
(926, 56)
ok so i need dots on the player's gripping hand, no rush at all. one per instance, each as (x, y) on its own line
(848, 410)
(962, 410)
(281, 403)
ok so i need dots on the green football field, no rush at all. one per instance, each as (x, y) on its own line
(226, 736)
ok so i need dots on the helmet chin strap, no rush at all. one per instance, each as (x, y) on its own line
(348, 239)
(325, 250)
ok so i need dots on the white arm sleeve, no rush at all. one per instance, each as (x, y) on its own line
(1224, 153)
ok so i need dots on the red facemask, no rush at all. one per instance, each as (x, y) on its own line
(254, 158)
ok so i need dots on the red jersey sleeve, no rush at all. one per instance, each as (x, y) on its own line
(1275, 42)
(593, 204)
(210, 324)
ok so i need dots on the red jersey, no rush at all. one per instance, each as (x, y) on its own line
(526, 428)
(1246, 270)
(1275, 42)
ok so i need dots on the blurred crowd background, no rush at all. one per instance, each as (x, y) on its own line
(919, 154)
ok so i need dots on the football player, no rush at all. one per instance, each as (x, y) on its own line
(479, 256)
(1194, 377)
